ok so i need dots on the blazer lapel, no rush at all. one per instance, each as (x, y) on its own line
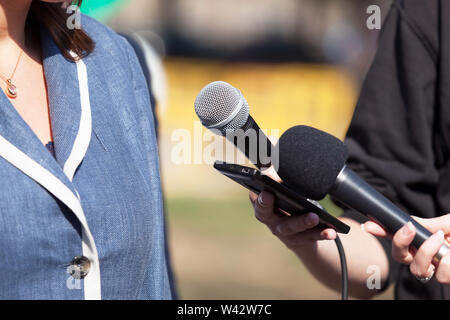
(71, 118)
(16, 134)
(107, 108)
(70, 112)
(69, 106)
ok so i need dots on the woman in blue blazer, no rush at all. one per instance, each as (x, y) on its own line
(82, 218)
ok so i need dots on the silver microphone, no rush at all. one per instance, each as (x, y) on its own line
(223, 109)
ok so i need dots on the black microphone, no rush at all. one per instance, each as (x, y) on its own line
(313, 163)
(224, 110)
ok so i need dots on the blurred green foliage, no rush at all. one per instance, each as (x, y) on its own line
(101, 9)
(222, 217)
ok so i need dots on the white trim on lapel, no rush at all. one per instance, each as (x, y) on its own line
(37, 172)
(92, 284)
(83, 137)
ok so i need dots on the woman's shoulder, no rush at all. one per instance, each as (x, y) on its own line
(115, 57)
(107, 41)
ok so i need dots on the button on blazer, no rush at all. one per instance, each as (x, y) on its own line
(99, 199)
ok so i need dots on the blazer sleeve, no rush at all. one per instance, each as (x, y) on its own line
(147, 120)
(148, 111)
(390, 138)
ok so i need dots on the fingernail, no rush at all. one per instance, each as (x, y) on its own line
(440, 236)
(408, 228)
(311, 219)
(406, 231)
(260, 200)
(363, 227)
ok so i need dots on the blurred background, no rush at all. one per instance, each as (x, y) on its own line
(296, 62)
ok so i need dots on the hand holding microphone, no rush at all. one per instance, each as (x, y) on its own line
(313, 162)
(310, 161)
(223, 108)
(321, 170)
(420, 261)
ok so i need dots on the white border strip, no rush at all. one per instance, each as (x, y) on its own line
(83, 137)
(92, 283)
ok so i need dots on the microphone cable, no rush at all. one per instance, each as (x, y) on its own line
(344, 271)
(343, 261)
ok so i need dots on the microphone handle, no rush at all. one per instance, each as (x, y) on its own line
(357, 194)
(251, 143)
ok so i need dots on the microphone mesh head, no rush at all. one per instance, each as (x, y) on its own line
(220, 102)
(310, 160)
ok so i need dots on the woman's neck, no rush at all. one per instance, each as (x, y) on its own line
(13, 17)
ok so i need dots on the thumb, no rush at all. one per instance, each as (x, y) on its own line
(264, 207)
(436, 224)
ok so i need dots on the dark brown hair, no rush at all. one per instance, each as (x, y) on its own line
(54, 18)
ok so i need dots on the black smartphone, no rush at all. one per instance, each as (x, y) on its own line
(285, 198)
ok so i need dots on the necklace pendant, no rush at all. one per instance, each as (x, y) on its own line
(11, 90)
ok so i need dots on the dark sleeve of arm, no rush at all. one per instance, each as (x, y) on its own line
(390, 138)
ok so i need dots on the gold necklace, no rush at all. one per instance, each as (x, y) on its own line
(11, 89)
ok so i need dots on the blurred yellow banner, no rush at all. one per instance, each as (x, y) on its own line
(279, 95)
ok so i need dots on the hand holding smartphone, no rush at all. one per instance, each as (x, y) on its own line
(286, 199)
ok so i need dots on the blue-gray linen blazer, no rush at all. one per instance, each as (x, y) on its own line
(99, 199)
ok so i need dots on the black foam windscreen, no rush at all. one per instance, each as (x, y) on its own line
(310, 160)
